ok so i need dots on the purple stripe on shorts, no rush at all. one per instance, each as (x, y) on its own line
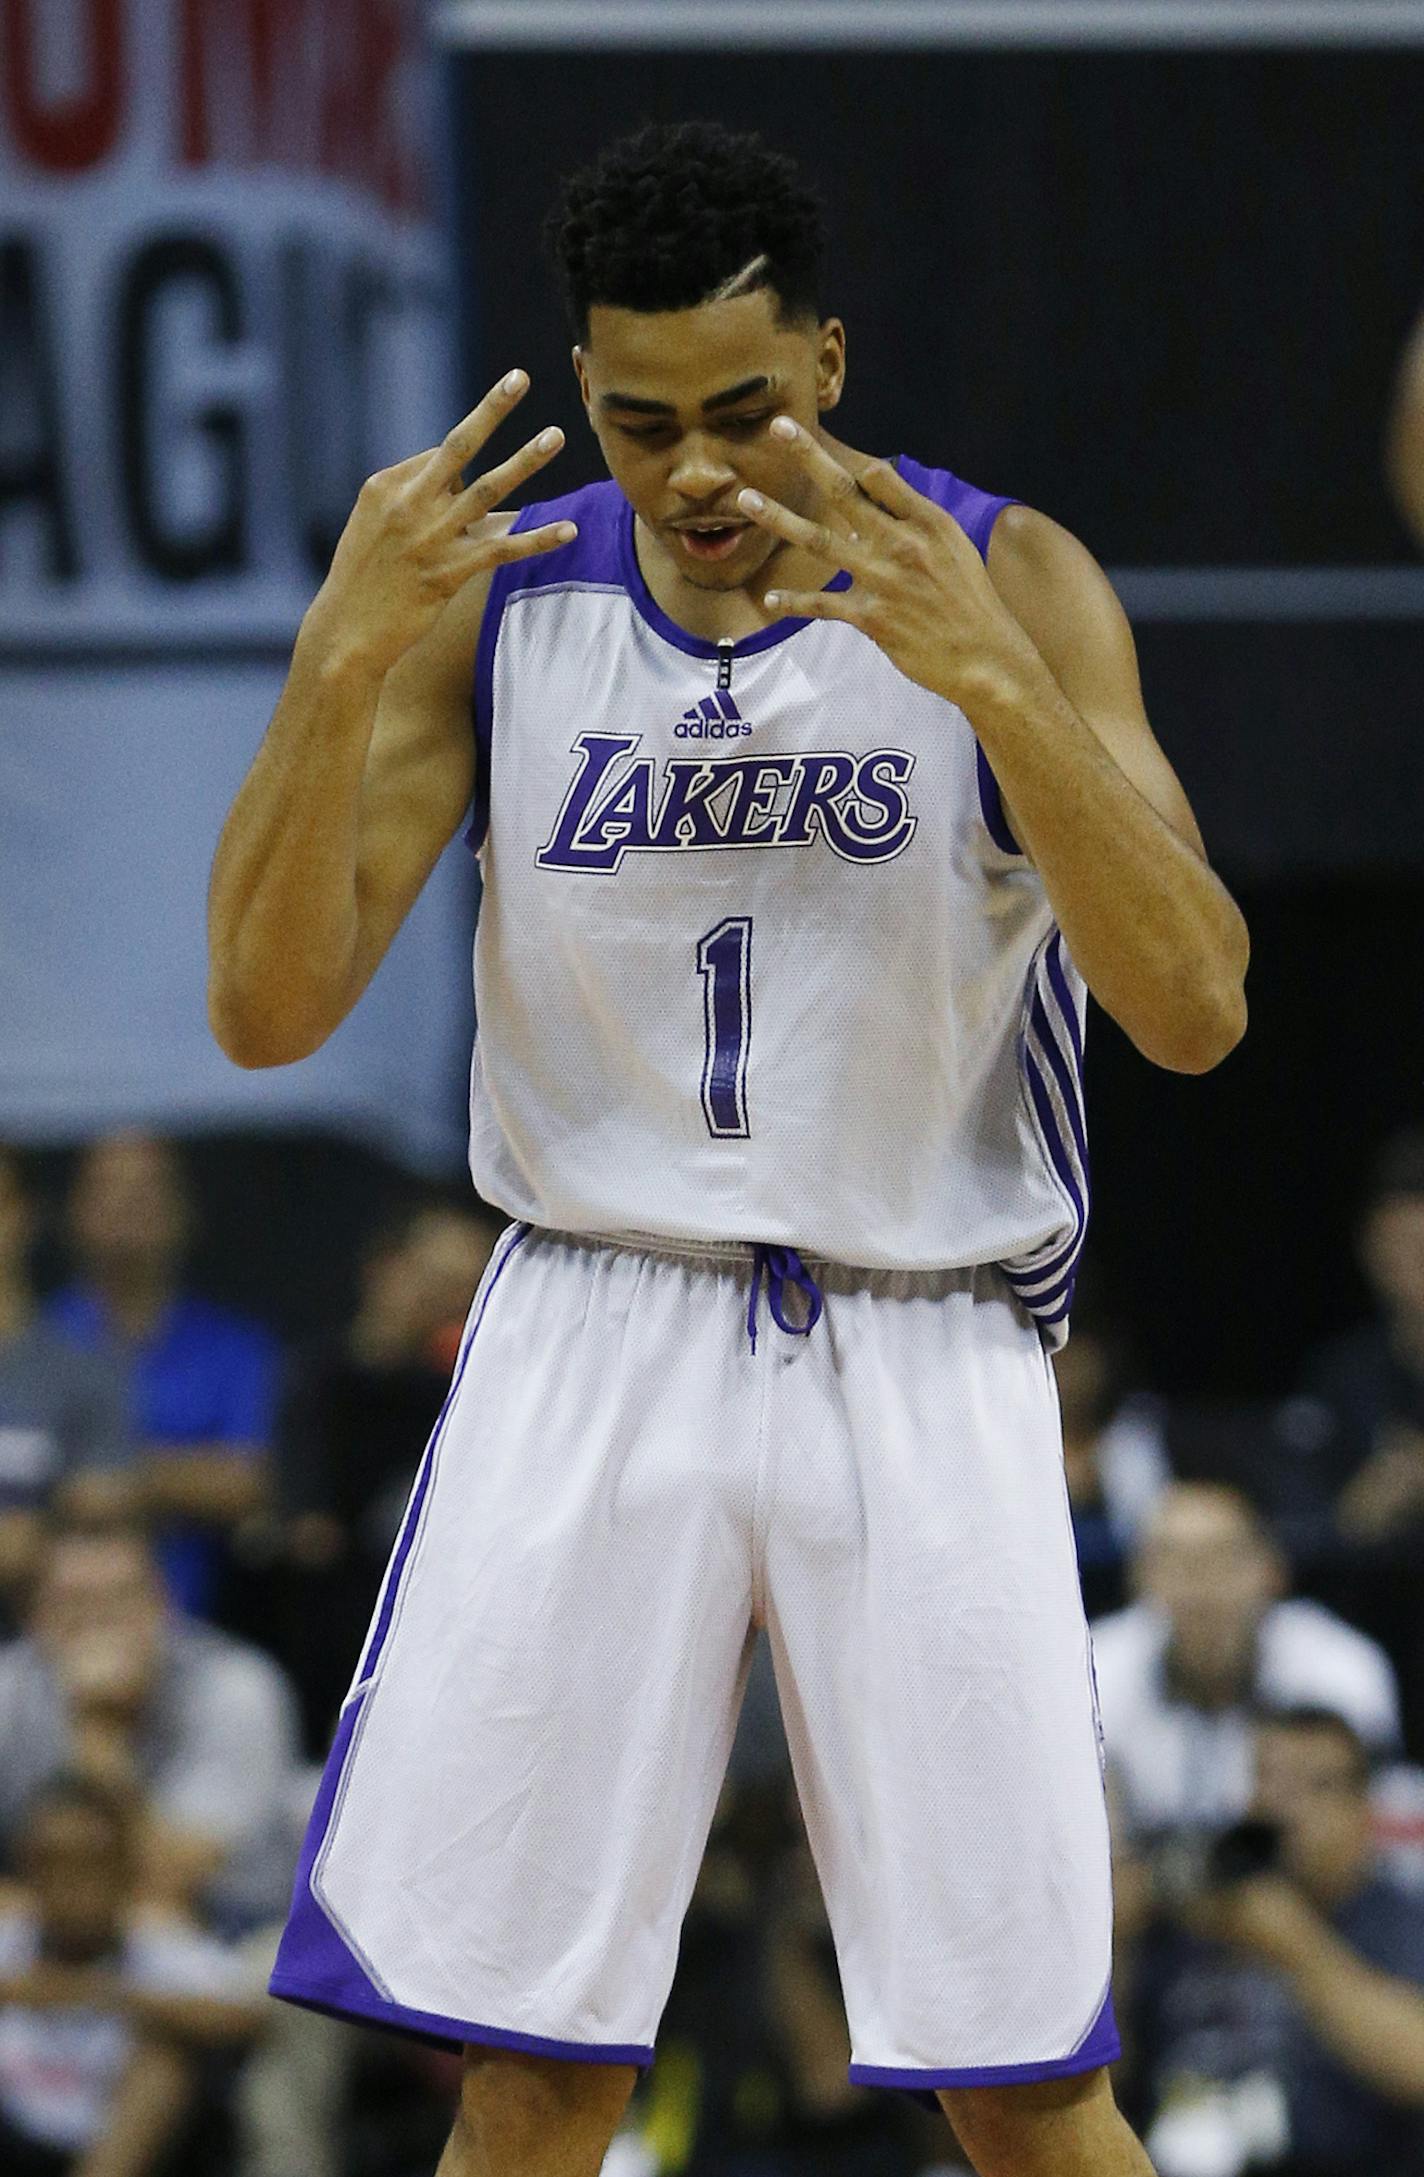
(1100, 2045)
(315, 1968)
(376, 1640)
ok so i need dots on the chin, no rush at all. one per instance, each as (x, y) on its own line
(715, 578)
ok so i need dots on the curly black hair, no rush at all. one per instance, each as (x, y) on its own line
(668, 217)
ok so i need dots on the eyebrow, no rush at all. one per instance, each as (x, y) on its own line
(714, 401)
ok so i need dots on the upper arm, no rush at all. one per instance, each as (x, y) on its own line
(420, 772)
(1064, 602)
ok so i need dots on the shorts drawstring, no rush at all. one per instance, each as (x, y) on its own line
(781, 1266)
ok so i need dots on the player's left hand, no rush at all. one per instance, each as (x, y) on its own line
(918, 586)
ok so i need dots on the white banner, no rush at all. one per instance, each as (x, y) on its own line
(221, 306)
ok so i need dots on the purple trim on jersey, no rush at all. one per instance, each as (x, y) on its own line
(1059, 980)
(1047, 1119)
(1069, 1083)
(991, 806)
(591, 557)
(976, 513)
(1101, 2045)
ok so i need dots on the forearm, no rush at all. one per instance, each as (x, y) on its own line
(1372, 2022)
(197, 2022)
(152, 2099)
(1154, 932)
(213, 1488)
(283, 917)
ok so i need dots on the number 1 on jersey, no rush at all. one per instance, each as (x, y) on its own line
(724, 961)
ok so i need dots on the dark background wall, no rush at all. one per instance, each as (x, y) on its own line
(1161, 296)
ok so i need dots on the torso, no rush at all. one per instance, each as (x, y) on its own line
(758, 961)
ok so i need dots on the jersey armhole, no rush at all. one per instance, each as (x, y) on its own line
(991, 800)
(502, 583)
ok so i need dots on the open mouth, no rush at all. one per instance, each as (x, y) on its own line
(713, 543)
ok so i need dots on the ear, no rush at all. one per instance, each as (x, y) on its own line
(830, 364)
(581, 373)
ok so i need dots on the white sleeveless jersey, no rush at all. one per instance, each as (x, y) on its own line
(758, 958)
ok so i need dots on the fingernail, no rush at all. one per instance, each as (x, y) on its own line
(773, 597)
(515, 382)
(548, 440)
(566, 532)
(751, 500)
(783, 427)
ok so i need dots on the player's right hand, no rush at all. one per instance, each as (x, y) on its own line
(418, 533)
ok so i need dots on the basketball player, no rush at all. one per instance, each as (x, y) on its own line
(809, 791)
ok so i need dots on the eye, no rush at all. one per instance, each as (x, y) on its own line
(750, 423)
(643, 431)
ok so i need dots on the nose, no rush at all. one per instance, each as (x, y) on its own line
(700, 471)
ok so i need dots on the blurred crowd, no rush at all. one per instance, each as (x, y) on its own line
(193, 1527)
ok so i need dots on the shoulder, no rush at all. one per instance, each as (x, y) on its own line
(1052, 584)
(213, 1670)
(1307, 1653)
(1124, 1644)
(595, 556)
(980, 514)
(166, 1954)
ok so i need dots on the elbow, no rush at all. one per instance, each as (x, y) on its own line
(1200, 1035)
(250, 1040)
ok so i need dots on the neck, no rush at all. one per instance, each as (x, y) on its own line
(713, 615)
(134, 1295)
(1213, 1682)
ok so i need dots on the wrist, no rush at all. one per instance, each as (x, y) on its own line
(1007, 687)
(331, 651)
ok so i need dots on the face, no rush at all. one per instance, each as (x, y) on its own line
(77, 1866)
(1207, 1566)
(448, 1253)
(99, 1614)
(128, 1206)
(1307, 1781)
(1393, 1253)
(680, 401)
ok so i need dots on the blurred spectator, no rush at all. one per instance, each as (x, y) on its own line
(110, 1680)
(1280, 1996)
(1356, 1514)
(61, 1409)
(1404, 448)
(1113, 1452)
(1208, 1639)
(1368, 1475)
(354, 1421)
(203, 1380)
(754, 2048)
(106, 2008)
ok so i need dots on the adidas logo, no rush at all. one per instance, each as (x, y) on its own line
(715, 718)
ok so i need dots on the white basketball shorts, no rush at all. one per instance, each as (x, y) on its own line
(620, 1488)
